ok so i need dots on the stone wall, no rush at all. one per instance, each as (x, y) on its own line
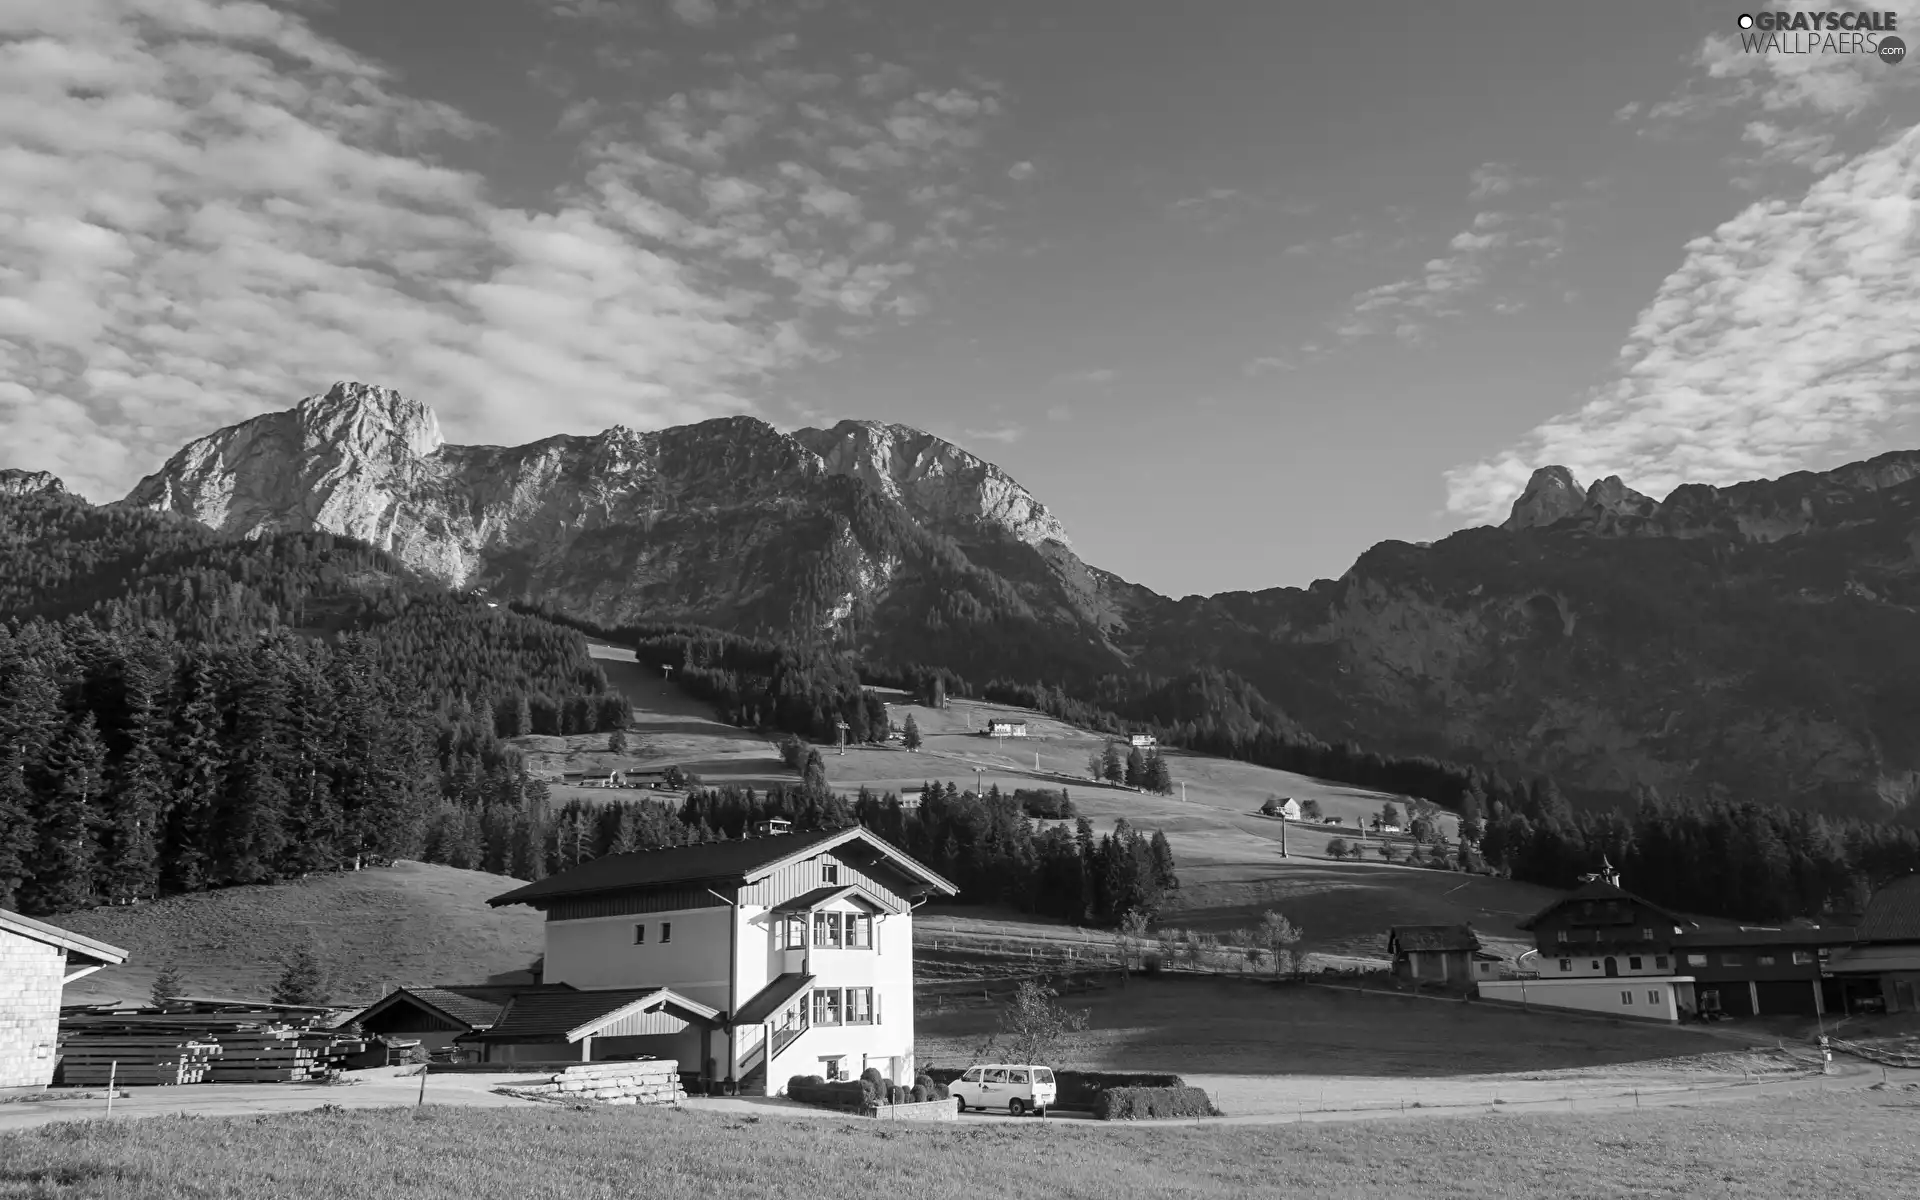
(926, 1110)
(30, 975)
(654, 1081)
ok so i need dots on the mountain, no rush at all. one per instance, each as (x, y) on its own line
(903, 542)
(15, 482)
(1759, 641)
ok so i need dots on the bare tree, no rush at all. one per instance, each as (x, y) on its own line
(1278, 936)
(1034, 1028)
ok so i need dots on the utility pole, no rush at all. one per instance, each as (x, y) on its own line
(979, 784)
(1283, 836)
(1183, 791)
(666, 670)
(841, 727)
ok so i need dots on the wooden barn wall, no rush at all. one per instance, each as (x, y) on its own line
(802, 877)
(658, 1021)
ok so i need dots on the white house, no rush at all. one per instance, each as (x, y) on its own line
(36, 961)
(754, 960)
(1145, 741)
(1602, 949)
(1005, 727)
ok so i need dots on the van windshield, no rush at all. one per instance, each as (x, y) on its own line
(1042, 1075)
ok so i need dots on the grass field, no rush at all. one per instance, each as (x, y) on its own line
(1228, 1027)
(1855, 1145)
(408, 923)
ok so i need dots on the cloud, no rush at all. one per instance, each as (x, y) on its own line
(1020, 171)
(696, 12)
(1091, 377)
(1004, 434)
(1059, 412)
(1496, 240)
(1268, 365)
(1800, 114)
(208, 211)
(1790, 333)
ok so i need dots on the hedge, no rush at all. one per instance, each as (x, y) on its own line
(1080, 1090)
(863, 1093)
(1153, 1103)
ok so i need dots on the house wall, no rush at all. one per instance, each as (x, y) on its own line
(888, 970)
(1652, 998)
(599, 952)
(31, 973)
(1594, 966)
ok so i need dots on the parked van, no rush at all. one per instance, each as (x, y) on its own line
(1016, 1088)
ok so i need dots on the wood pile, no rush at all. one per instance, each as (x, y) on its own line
(159, 1047)
(649, 1081)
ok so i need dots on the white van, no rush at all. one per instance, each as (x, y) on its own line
(1016, 1088)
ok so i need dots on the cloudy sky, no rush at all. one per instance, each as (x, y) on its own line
(1237, 287)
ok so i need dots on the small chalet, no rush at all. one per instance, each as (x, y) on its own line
(1881, 971)
(36, 961)
(1443, 954)
(1145, 741)
(1005, 727)
(1288, 809)
(748, 961)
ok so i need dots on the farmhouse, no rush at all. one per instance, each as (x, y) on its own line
(1288, 808)
(752, 960)
(1145, 741)
(1602, 949)
(1444, 954)
(1005, 727)
(36, 961)
(1882, 969)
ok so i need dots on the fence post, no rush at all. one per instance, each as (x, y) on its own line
(113, 1073)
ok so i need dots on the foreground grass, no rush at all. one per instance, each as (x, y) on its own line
(1856, 1145)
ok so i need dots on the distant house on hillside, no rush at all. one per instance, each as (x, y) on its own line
(36, 961)
(1005, 727)
(1287, 808)
(1445, 954)
(1145, 741)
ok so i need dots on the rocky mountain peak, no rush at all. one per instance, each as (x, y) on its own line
(1611, 495)
(15, 482)
(934, 479)
(1550, 495)
(369, 419)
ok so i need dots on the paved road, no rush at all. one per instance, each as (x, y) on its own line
(1247, 1099)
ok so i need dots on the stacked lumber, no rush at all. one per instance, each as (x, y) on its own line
(650, 1081)
(228, 1048)
(136, 1061)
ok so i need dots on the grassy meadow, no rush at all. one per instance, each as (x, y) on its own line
(1857, 1144)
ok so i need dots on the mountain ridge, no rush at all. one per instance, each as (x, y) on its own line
(1568, 639)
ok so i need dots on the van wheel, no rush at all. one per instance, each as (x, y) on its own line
(959, 1104)
(1016, 1107)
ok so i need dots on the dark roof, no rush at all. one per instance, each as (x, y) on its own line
(719, 862)
(477, 1006)
(549, 1016)
(66, 939)
(1893, 915)
(1597, 890)
(771, 997)
(1432, 937)
(1820, 935)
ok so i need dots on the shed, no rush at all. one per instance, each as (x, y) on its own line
(36, 961)
(1887, 951)
(550, 1024)
(1444, 954)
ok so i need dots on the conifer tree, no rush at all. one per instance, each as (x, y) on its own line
(303, 979)
(131, 869)
(910, 733)
(1112, 768)
(66, 865)
(1136, 769)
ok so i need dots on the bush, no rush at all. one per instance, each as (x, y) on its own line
(872, 1075)
(1081, 1090)
(936, 1088)
(1151, 964)
(1045, 805)
(1152, 1103)
(811, 1089)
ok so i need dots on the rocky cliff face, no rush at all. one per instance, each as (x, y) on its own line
(14, 482)
(729, 522)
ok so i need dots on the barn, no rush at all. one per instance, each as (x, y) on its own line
(36, 961)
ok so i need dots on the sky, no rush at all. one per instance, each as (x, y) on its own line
(1237, 288)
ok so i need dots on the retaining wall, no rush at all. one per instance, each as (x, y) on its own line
(926, 1110)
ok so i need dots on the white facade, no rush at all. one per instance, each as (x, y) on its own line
(1569, 963)
(1646, 998)
(997, 727)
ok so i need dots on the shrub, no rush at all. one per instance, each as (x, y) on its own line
(936, 1088)
(1152, 1103)
(811, 1089)
(1151, 964)
(1081, 1090)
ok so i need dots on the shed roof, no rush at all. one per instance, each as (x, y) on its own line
(771, 997)
(735, 862)
(568, 1016)
(477, 1006)
(65, 939)
(1426, 938)
(1812, 935)
(1893, 915)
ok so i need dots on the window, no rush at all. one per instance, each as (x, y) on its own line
(1017, 1076)
(1696, 960)
(833, 1069)
(1646, 935)
(1660, 962)
(1594, 965)
(1626, 997)
(1566, 964)
(1633, 964)
(639, 935)
(794, 932)
(1802, 957)
(826, 1006)
(859, 930)
(826, 930)
(1653, 997)
(972, 1076)
(666, 932)
(1561, 936)
(997, 1075)
(859, 1006)
(1766, 960)
(830, 872)
(1729, 960)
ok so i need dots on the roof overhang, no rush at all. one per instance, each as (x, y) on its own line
(406, 996)
(859, 833)
(665, 999)
(821, 897)
(85, 950)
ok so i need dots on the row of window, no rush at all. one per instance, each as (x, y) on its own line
(640, 933)
(845, 1006)
(1593, 935)
(1654, 997)
(831, 931)
(1801, 958)
(1633, 963)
